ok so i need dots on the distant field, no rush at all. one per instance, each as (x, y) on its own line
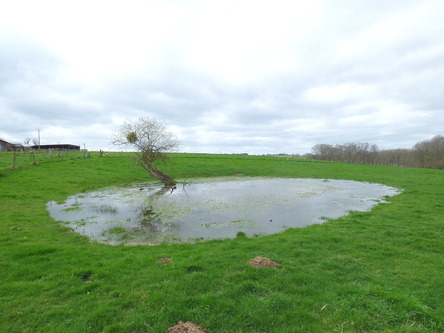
(378, 271)
(22, 159)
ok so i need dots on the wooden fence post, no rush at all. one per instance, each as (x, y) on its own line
(33, 158)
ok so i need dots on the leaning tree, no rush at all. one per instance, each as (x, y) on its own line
(152, 140)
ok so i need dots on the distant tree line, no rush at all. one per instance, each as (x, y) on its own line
(424, 154)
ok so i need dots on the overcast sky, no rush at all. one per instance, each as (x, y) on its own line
(225, 76)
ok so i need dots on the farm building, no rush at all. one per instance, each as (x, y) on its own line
(4, 145)
(57, 147)
(7, 146)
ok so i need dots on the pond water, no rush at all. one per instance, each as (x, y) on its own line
(212, 208)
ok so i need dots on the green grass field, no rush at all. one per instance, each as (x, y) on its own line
(378, 271)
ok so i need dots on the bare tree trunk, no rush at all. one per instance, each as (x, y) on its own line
(163, 177)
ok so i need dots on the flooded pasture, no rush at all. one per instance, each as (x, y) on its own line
(212, 208)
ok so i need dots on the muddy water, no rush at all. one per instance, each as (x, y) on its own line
(212, 208)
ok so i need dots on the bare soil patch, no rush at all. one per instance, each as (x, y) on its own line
(164, 260)
(187, 327)
(260, 262)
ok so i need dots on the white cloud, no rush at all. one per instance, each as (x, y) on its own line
(339, 93)
(240, 42)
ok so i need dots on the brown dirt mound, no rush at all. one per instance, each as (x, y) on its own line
(260, 262)
(164, 260)
(187, 327)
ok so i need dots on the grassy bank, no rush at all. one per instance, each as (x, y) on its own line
(380, 271)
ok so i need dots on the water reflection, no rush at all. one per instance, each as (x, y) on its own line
(151, 214)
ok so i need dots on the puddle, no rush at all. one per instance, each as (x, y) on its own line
(212, 208)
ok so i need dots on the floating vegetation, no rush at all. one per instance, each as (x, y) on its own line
(73, 208)
(244, 222)
(207, 225)
(103, 209)
(116, 230)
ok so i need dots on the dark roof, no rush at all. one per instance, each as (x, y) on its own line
(57, 146)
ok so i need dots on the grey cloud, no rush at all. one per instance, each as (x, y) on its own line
(348, 71)
(29, 86)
